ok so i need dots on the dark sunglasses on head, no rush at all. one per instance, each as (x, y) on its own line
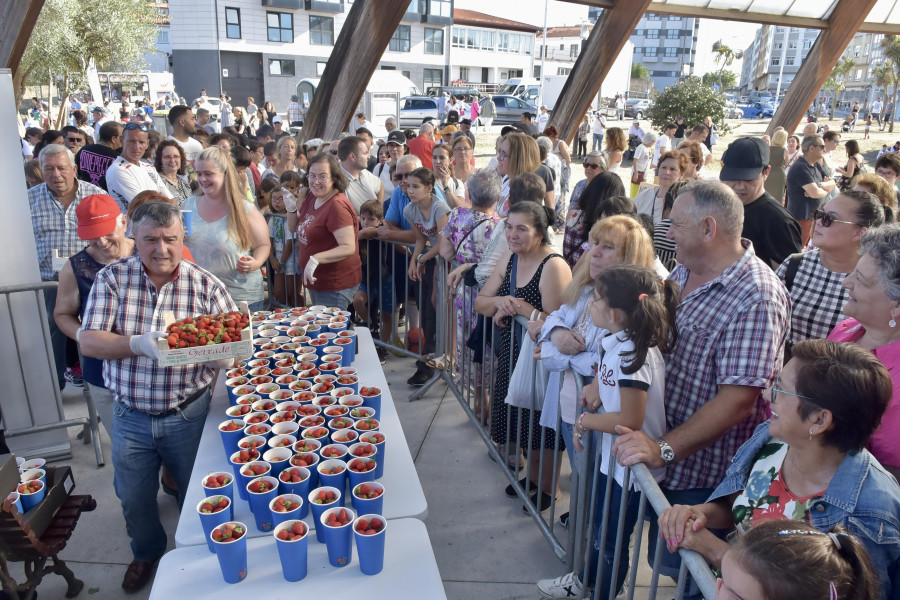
(133, 126)
(827, 220)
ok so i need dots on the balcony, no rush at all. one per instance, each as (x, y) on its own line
(335, 6)
(292, 4)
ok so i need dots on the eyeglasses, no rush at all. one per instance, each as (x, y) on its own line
(322, 177)
(332, 152)
(827, 220)
(818, 146)
(462, 148)
(138, 126)
(397, 178)
(588, 165)
(502, 155)
(773, 389)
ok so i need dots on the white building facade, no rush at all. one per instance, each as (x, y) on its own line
(489, 50)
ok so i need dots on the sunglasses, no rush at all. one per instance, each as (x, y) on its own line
(138, 126)
(827, 220)
(332, 152)
(588, 165)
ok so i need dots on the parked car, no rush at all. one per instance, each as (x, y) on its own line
(455, 90)
(213, 104)
(510, 109)
(415, 108)
(636, 108)
(732, 111)
(758, 110)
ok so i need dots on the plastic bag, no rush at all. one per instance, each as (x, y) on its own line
(528, 382)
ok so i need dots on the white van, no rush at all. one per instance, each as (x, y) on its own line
(519, 86)
(380, 100)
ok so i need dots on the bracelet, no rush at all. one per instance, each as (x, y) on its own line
(580, 419)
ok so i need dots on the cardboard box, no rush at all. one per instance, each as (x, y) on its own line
(60, 484)
(201, 354)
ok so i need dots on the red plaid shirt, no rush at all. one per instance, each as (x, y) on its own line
(731, 331)
(125, 301)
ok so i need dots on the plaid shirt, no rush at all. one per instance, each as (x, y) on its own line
(294, 112)
(817, 298)
(731, 331)
(125, 301)
(55, 227)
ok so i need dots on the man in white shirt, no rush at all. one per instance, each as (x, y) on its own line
(226, 110)
(636, 131)
(877, 107)
(698, 134)
(99, 115)
(620, 108)
(362, 186)
(599, 131)
(663, 144)
(542, 119)
(127, 176)
(182, 120)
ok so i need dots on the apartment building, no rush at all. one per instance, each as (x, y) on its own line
(775, 55)
(485, 49)
(865, 50)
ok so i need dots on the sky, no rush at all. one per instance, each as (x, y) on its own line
(738, 35)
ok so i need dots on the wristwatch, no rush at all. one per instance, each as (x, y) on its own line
(666, 452)
(421, 259)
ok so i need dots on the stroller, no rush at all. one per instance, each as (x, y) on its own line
(633, 142)
(849, 123)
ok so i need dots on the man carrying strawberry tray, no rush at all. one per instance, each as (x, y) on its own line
(158, 412)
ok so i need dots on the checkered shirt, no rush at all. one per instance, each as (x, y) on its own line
(731, 331)
(125, 301)
(55, 227)
(817, 298)
(294, 112)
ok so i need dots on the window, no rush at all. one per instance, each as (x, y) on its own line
(434, 41)
(673, 34)
(652, 34)
(653, 17)
(563, 71)
(487, 40)
(856, 52)
(807, 44)
(320, 68)
(562, 46)
(280, 27)
(279, 66)
(440, 8)
(458, 37)
(778, 45)
(321, 31)
(776, 62)
(792, 45)
(433, 78)
(789, 61)
(233, 23)
(650, 51)
(573, 51)
(400, 39)
(162, 36)
(464, 73)
(858, 74)
(671, 52)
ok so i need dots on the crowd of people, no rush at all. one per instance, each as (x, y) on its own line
(740, 334)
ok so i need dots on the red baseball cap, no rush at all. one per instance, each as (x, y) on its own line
(96, 216)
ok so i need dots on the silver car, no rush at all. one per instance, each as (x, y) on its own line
(415, 108)
(510, 109)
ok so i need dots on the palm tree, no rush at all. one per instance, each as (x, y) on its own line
(835, 81)
(883, 76)
(725, 57)
(890, 44)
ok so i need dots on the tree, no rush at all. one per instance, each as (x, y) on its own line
(835, 81)
(725, 57)
(890, 44)
(116, 34)
(725, 79)
(689, 98)
(883, 76)
(639, 71)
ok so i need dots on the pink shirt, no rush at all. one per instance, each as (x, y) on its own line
(885, 442)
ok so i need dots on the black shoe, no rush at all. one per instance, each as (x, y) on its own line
(564, 519)
(546, 499)
(382, 354)
(420, 377)
(511, 491)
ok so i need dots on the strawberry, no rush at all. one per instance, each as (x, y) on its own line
(230, 426)
(333, 471)
(291, 476)
(299, 528)
(372, 527)
(331, 452)
(30, 487)
(229, 532)
(214, 504)
(367, 424)
(364, 450)
(307, 411)
(367, 492)
(369, 391)
(362, 466)
(373, 438)
(325, 497)
(283, 505)
(341, 423)
(302, 446)
(351, 402)
(260, 486)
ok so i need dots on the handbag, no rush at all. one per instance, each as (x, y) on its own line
(637, 177)
(528, 382)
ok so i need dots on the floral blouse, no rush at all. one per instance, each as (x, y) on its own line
(469, 242)
(766, 496)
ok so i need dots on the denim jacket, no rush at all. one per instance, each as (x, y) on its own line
(557, 363)
(862, 497)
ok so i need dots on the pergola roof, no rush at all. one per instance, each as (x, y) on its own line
(883, 18)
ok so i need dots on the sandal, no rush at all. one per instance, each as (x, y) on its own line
(435, 362)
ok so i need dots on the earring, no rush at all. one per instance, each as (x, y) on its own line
(810, 434)
(892, 323)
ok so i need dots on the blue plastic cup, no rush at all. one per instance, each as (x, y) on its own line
(211, 520)
(226, 489)
(353, 385)
(31, 500)
(368, 505)
(279, 458)
(350, 333)
(348, 350)
(232, 384)
(369, 438)
(292, 553)
(245, 479)
(374, 402)
(30, 474)
(300, 488)
(259, 502)
(296, 501)
(370, 547)
(338, 540)
(335, 480)
(232, 555)
(230, 439)
(187, 217)
(327, 452)
(15, 500)
(357, 477)
(318, 509)
(236, 467)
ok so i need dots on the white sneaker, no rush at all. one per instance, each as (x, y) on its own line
(566, 586)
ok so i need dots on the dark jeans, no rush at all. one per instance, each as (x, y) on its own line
(63, 347)
(427, 313)
(580, 147)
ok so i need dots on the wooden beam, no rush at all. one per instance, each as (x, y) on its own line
(364, 37)
(842, 26)
(17, 21)
(607, 39)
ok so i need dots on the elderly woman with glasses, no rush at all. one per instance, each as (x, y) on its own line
(463, 157)
(808, 463)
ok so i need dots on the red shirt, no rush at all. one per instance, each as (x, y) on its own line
(257, 178)
(421, 146)
(315, 233)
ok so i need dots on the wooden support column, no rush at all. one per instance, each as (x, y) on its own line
(844, 22)
(607, 39)
(364, 37)
(17, 21)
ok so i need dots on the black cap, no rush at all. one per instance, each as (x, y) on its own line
(466, 122)
(397, 137)
(744, 159)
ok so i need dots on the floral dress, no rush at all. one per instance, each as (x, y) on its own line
(470, 233)
(767, 496)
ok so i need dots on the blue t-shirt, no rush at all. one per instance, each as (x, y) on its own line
(393, 208)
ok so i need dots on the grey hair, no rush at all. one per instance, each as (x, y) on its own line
(159, 214)
(410, 159)
(545, 143)
(484, 187)
(426, 128)
(601, 158)
(717, 200)
(52, 150)
(883, 245)
(808, 142)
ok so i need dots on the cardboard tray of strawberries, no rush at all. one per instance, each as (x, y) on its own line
(60, 484)
(202, 338)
